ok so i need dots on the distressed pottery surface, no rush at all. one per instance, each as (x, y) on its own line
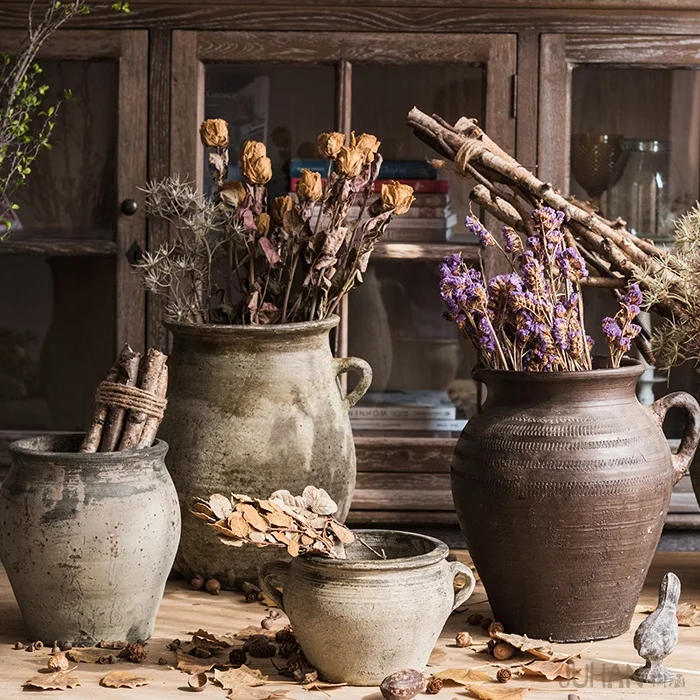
(561, 485)
(362, 618)
(253, 409)
(87, 540)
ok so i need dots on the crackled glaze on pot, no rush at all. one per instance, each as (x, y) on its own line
(87, 540)
(253, 409)
(561, 484)
(362, 618)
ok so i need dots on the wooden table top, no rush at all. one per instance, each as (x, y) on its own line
(606, 665)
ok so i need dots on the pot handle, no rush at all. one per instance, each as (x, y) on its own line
(270, 572)
(354, 364)
(461, 596)
(689, 442)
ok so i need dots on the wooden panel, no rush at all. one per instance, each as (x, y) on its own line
(401, 517)
(186, 107)
(526, 100)
(320, 47)
(158, 168)
(69, 44)
(62, 246)
(553, 152)
(375, 454)
(645, 50)
(394, 491)
(424, 251)
(132, 173)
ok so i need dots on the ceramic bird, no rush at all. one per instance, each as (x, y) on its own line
(657, 636)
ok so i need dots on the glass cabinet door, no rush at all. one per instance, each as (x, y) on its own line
(70, 299)
(287, 88)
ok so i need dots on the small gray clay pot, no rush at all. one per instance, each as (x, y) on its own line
(87, 540)
(362, 618)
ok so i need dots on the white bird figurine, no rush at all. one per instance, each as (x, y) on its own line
(657, 636)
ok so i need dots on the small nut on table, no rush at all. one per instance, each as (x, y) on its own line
(503, 651)
(197, 681)
(212, 586)
(463, 639)
(403, 685)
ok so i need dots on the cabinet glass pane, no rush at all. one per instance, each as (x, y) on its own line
(71, 192)
(286, 107)
(57, 340)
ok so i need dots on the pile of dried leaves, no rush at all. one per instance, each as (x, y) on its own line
(301, 524)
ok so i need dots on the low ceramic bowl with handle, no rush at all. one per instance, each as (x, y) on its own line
(362, 618)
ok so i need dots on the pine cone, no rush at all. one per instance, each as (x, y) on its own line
(434, 686)
(135, 652)
(260, 648)
(237, 657)
(288, 649)
(286, 634)
(503, 675)
(475, 619)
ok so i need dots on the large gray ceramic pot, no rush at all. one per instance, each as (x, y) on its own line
(362, 618)
(561, 484)
(253, 409)
(87, 540)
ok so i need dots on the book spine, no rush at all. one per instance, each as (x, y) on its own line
(390, 170)
(394, 413)
(415, 212)
(419, 186)
(414, 235)
(455, 425)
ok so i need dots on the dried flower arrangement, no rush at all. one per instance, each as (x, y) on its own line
(301, 524)
(510, 192)
(129, 403)
(292, 261)
(532, 319)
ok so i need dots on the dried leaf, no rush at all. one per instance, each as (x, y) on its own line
(493, 692)
(53, 681)
(271, 254)
(219, 640)
(238, 525)
(437, 657)
(235, 677)
(462, 676)
(257, 537)
(536, 647)
(318, 501)
(220, 506)
(286, 498)
(124, 679)
(280, 519)
(245, 692)
(293, 549)
(192, 664)
(322, 685)
(551, 670)
(231, 543)
(688, 615)
(252, 516)
(88, 655)
(252, 631)
(342, 533)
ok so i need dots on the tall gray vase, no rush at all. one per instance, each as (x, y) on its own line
(87, 540)
(253, 409)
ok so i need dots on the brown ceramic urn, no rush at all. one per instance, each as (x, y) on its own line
(561, 484)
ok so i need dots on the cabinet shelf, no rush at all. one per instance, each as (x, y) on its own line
(424, 251)
(57, 246)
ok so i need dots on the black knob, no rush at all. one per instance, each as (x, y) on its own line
(129, 207)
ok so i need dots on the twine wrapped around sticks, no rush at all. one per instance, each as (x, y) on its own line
(131, 398)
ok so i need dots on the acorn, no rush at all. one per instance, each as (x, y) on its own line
(197, 681)
(212, 586)
(503, 651)
(403, 685)
(197, 583)
(463, 639)
(18, 645)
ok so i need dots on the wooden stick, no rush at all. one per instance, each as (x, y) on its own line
(150, 427)
(148, 380)
(91, 442)
(128, 374)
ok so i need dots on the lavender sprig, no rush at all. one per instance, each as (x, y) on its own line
(620, 330)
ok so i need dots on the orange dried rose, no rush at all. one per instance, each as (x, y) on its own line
(367, 143)
(257, 171)
(252, 150)
(397, 196)
(280, 207)
(309, 187)
(262, 223)
(330, 143)
(214, 133)
(349, 161)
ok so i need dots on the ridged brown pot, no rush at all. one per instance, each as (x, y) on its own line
(561, 484)
(87, 540)
(253, 409)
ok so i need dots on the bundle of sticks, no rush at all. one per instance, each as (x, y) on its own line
(509, 192)
(129, 403)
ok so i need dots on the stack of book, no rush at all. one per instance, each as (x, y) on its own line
(406, 411)
(429, 220)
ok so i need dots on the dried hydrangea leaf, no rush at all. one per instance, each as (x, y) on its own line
(233, 677)
(318, 501)
(220, 506)
(462, 676)
(53, 681)
(124, 679)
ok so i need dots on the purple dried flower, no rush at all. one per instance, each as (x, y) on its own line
(571, 264)
(512, 241)
(477, 228)
(611, 329)
(632, 299)
(560, 329)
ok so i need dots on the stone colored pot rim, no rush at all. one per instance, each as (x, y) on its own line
(437, 554)
(630, 369)
(273, 329)
(25, 449)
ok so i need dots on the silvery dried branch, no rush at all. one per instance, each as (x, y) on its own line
(510, 192)
(301, 524)
(291, 261)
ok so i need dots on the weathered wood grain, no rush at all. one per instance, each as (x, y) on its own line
(68, 44)
(395, 518)
(395, 491)
(526, 100)
(402, 454)
(423, 251)
(57, 246)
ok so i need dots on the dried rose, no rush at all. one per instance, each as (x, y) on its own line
(214, 133)
(330, 143)
(367, 143)
(397, 196)
(349, 161)
(257, 171)
(309, 187)
(262, 223)
(233, 193)
(252, 150)
(280, 207)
